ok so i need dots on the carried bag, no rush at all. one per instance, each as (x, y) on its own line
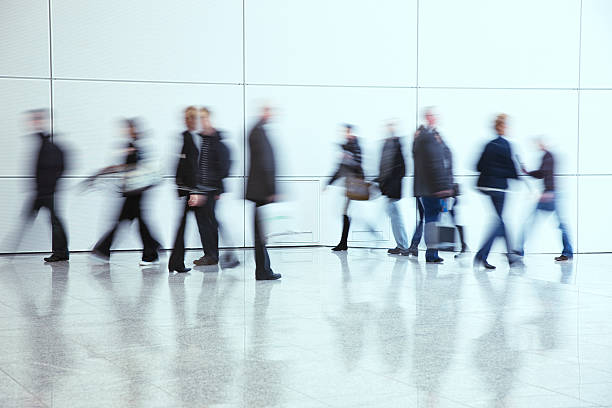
(446, 230)
(357, 189)
(140, 178)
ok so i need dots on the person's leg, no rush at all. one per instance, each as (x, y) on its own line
(177, 257)
(529, 222)
(346, 225)
(497, 198)
(150, 245)
(262, 259)
(103, 246)
(432, 208)
(211, 229)
(397, 225)
(460, 229)
(568, 251)
(418, 231)
(59, 241)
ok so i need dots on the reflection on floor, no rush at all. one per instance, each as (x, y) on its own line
(341, 330)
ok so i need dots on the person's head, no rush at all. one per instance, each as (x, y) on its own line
(500, 124)
(205, 118)
(38, 120)
(131, 128)
(191, 118)
(431, 116)
(348, 131)
(391, 126)
(541, 143)
(266, 113)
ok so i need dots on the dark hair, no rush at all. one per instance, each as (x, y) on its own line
(39, 112)
(348, 126)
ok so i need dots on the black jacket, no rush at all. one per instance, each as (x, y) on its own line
(392, 168)
(350, 166)
(496, 165)
(261, 183)
(192, 177)
(432, 163)
(546, 171)
(49, 166)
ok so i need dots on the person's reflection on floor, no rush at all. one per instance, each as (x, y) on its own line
(435, 328)
(567, 272)
(262, 371)
(392, 330)
(350, 321)
(493, 355)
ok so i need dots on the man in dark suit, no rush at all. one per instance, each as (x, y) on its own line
(496, 166)
(432, 179)
(261, 189)
(49, 167)
(203, 164)
(391, 174)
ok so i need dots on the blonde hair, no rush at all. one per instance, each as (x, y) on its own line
(500, 120)
(205, 110)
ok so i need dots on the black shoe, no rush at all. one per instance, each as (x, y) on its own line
(55, 258)
(272, 276)
(563, 258)
(395, 251)
(479, 262)
(514, 259)
(437, 260)
(463, 251)
(414, 251)
(340, 247)
(205, 261)
(179, 270)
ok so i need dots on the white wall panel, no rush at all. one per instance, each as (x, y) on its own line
(509, 43)
(88, 114)
(24, 38)
(595, 223)
(466, 118)
(595, 145)
(18, 148)
(194, 40)
(339, 42)
(596, 54)
(307, 130)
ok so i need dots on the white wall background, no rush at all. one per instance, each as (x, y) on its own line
(322, 63)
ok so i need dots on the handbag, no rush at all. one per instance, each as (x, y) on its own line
(446, 230)
(140, 178)
(357, 189)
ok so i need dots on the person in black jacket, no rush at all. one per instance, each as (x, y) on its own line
(391, 173)
(350, 166)
(432, 179)
(203, 164)
(261, 189)
(496, 166)
(548, 202)
(132, 205)
(50, 164)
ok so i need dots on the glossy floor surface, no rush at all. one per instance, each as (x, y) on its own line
(358, 329)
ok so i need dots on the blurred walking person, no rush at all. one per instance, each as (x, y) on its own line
(203, 164)
(432, 179)
(496, 166)
(136, 182)
(261, 189)
(548, 203)
(392, 170)
(350, 167)
(50, 165)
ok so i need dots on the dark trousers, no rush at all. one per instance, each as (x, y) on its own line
(498, 199)
(431, 209)
(262, 259)
(59, 241)
(207, 227)
(131, 210)
(418, 231)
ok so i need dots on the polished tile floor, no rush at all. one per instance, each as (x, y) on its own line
(361, 329)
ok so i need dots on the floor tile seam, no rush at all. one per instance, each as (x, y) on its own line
(26, 389)
(555, 391)
(307, 395)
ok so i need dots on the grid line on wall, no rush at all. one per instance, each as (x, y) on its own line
(51, 118)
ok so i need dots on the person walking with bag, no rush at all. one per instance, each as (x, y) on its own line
(350, 169)
(432, 179)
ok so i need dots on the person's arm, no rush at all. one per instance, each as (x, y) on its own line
(434, 153)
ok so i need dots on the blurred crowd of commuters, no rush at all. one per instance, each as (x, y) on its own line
(204, 162)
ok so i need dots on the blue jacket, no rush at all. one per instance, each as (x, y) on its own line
(496, 165)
